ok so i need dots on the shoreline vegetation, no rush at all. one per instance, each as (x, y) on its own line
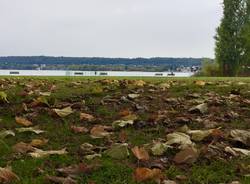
(99, 64)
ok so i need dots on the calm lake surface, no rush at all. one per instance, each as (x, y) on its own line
(92, 73)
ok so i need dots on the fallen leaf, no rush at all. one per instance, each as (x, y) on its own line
(118, 151)
(133, 96)
(63, 112)
(42, 100)
(23, 148)
(99, 131)
(40, 153)
(91, 157)
(30, 129)
(202, 108)
(23, 121)
(79, 129)
(45, 93)
(187, 156)
(164, 86)
(87, 117)
(61, 180)
(145, 174)
(242, 136)
(3, 97)
(169, 182)
(87, 148)
(77, 169)
(7, 176)
(200, 83)
(237, 151)
(139, 83)
(39, 142)
(124, 112)
(179, 138)
(140, 153)
(159, 148)
(5, 133)
(129, 117)
(199, 135)
(123, 137)
(122, 123)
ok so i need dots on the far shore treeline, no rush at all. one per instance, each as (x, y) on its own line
(99, 63)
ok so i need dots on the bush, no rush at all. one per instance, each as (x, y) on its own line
(209, 68)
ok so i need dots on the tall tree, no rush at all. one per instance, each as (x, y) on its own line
(229, 47)
(246, 37)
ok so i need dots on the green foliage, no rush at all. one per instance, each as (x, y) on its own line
(209, 68)
(229, 42)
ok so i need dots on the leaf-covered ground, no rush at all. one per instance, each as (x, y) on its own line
(125, 131)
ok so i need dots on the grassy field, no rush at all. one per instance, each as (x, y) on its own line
(155, 108)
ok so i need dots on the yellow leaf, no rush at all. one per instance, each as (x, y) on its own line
(63, 112)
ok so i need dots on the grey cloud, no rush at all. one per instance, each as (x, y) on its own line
(110, 28)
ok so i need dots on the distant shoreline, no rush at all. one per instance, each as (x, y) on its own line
(93, 73)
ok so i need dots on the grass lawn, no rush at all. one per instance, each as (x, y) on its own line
(161, 107)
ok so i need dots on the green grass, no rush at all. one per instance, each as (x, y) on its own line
(111, 171)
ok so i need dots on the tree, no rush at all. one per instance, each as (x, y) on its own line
(229, 45)
(246, 37)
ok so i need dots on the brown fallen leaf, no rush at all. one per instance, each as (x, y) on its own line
(99, 131)
(63, 112)
(61, 180)
(140, 153)
(39, 142)
(125, 112)
(79, 129)
(123, 137)
(23, 121)
(86, 117)
(146, 174)
(187, 156)
(7, 176)
(40, 153)
(23, 148)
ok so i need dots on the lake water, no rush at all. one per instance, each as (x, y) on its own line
(91, 73)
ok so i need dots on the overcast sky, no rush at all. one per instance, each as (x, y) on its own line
(109, 28)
